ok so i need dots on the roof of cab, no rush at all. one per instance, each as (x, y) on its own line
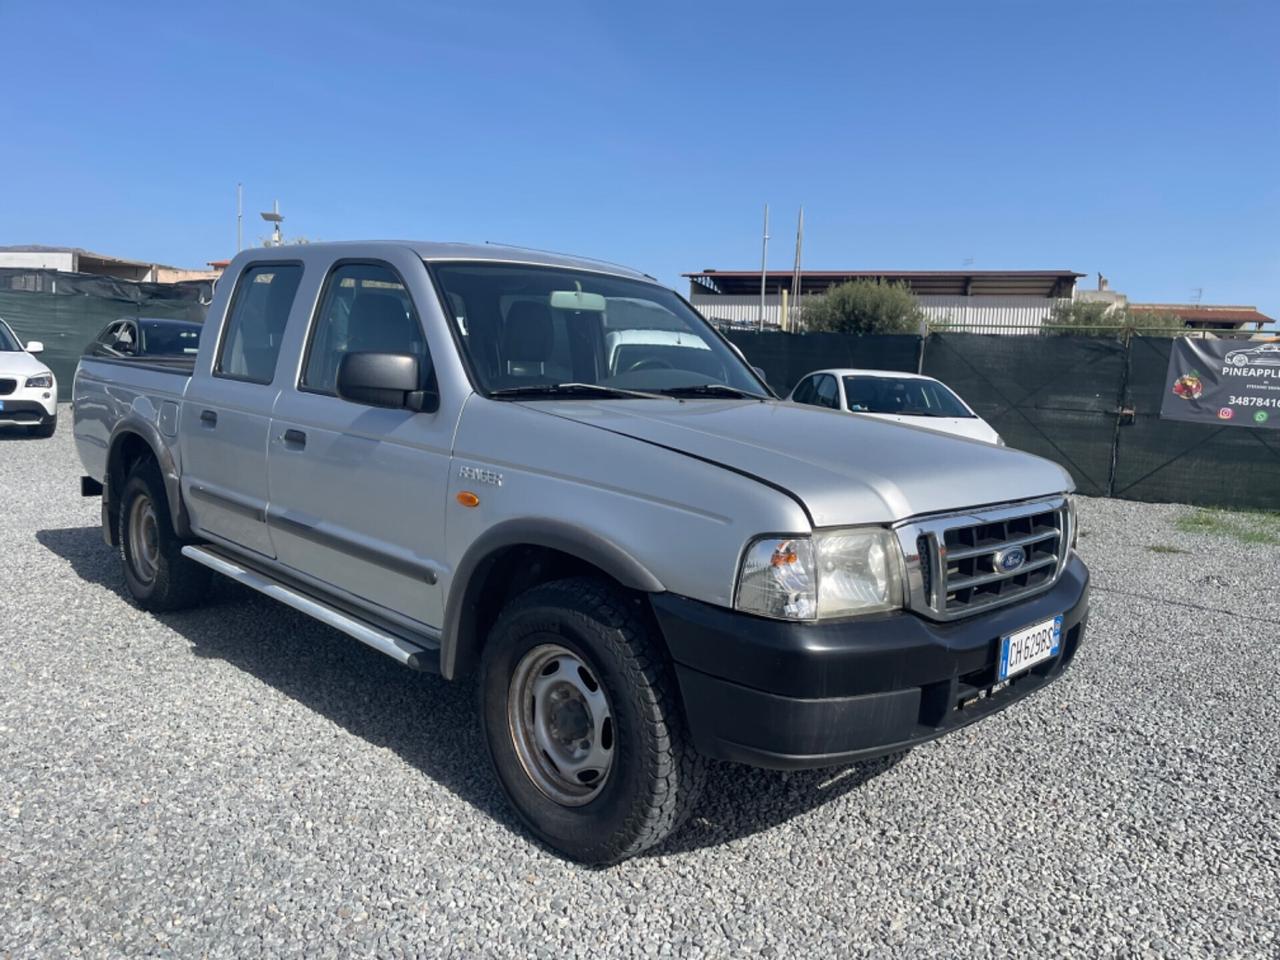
(436, 252)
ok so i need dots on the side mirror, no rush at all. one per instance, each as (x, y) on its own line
(35, 346)
(761, 374)
(385, 380)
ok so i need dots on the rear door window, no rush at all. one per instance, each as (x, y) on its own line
(256, 322)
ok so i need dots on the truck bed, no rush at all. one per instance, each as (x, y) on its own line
(105, 390)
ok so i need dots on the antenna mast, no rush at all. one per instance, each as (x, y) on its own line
(764, 260)
(795, 276)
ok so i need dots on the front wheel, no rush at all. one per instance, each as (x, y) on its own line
(582, 721)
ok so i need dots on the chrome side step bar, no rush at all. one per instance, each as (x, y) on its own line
(411, 654)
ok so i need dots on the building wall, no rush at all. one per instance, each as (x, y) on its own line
(38, 259)
(163, 274)
(978, 314)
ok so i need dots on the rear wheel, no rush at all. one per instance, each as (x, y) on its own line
(583, 724)
(158, 576)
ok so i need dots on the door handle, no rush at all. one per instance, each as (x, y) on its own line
(210, 417)
(295, 438)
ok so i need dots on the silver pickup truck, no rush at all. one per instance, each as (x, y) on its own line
(553, 473)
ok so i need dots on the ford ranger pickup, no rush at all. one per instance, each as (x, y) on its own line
(553, 474)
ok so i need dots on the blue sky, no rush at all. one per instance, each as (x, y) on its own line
(1141, 139)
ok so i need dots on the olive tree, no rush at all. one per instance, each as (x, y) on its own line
(1101, 319)
(863, 306)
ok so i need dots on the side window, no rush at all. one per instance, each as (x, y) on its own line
(365, 309)
(255, 325)
(828, 392)
(805, 392)
(126, 340)
(100, 346)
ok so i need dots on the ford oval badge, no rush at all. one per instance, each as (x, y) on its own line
(1010, 560)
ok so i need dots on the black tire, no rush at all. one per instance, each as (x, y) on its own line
(655, 775)
(45, 428)
(174, 582)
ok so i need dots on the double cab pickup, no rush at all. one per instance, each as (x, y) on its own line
(553, 474)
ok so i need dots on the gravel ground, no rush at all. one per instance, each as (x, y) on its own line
(240, 781)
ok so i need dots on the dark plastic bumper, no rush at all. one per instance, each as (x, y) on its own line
(790, 695)
(25, 412)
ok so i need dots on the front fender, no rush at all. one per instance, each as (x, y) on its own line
(459, 640)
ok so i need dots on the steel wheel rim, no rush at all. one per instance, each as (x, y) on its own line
(561, 724)
(144, 539)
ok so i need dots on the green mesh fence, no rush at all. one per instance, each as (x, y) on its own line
(1090, 403)
(786, 357)
(65, 311)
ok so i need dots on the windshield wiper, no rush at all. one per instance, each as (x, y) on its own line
(711, 390)
(568, 390)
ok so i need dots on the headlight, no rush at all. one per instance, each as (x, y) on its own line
(836, 573)
(43, 380)
(777, 579)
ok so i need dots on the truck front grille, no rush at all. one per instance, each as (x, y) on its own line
(964, 563)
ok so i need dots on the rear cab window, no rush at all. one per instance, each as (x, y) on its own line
(256, 322)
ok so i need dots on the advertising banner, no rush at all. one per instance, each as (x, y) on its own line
(1227, 382)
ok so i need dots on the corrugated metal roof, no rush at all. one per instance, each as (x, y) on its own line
(1041, 283)
(1205, 313)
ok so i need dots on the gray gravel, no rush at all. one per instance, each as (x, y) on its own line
(239, 781)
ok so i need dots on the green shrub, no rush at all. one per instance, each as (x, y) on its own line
(863, 306)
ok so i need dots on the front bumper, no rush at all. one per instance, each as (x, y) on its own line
(789, 695)
(27, 407)
(21, 405)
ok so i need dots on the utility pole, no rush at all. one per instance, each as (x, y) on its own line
(239, 217)
(764, 260)
(796, 281)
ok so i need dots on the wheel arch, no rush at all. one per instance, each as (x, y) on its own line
(131, 441)
(514, 556)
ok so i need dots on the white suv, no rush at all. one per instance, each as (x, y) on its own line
(28, 390)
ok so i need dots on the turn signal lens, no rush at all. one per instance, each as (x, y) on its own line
(777, 579)
(468, 499)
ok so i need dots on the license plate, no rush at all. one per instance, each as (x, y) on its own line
(1025, 648)
(1, 405)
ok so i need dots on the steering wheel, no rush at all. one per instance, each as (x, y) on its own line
(649, 363)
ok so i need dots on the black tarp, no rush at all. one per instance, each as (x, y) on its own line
(1052, 396)
(1175, 461)
(66, 311)
(786, 357)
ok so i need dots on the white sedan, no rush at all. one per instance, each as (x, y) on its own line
(899, 397)
(28, 390)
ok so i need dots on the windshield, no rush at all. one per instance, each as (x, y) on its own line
(8, 342)
(904, 396)
(169, 338)
(525, 328)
